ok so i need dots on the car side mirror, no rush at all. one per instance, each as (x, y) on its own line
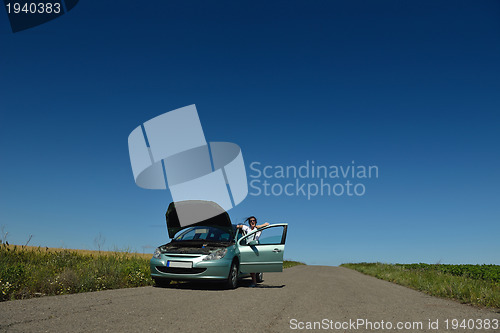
(253, 242)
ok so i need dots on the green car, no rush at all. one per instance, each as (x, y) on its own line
(215, 249)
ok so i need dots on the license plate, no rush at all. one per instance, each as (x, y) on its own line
(180, 264)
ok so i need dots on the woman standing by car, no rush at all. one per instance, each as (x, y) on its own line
(252, 221)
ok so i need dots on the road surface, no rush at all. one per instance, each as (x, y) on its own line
(335, 298)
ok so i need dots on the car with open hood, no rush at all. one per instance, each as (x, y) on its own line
(206, 246)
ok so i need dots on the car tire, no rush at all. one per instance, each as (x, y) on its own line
(260, 277)
(232, 279)
(162, 282)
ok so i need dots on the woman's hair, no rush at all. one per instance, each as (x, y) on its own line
(251, 217)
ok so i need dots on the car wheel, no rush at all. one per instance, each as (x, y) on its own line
(162, 282)
(260, 277)
(232, 279)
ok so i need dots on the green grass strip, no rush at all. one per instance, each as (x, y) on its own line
(436, 281)
(291, 263)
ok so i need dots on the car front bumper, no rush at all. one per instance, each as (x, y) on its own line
(201, 269)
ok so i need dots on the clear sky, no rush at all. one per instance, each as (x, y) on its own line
(410, 87)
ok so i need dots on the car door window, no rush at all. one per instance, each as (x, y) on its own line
(268, 236)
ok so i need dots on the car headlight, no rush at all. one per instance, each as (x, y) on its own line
(157, 254)
(219, 254)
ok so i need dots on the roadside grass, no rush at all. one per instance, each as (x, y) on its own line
(30, 272)
(27, 271)
(436, 280)
(291, 263)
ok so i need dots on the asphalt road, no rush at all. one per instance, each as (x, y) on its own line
(288, 300)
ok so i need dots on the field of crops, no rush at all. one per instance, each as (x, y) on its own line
(471, 284)
(483, 272)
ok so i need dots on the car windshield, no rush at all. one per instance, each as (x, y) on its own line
(203, 233)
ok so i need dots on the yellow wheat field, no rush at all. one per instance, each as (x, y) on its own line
(91, 252)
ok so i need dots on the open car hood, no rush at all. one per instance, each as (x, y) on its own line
(218, 217)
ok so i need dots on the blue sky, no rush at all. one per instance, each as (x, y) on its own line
(412, 88)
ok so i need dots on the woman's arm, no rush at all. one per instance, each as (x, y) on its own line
(262, 225)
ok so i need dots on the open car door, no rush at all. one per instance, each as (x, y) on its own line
(262, 250)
